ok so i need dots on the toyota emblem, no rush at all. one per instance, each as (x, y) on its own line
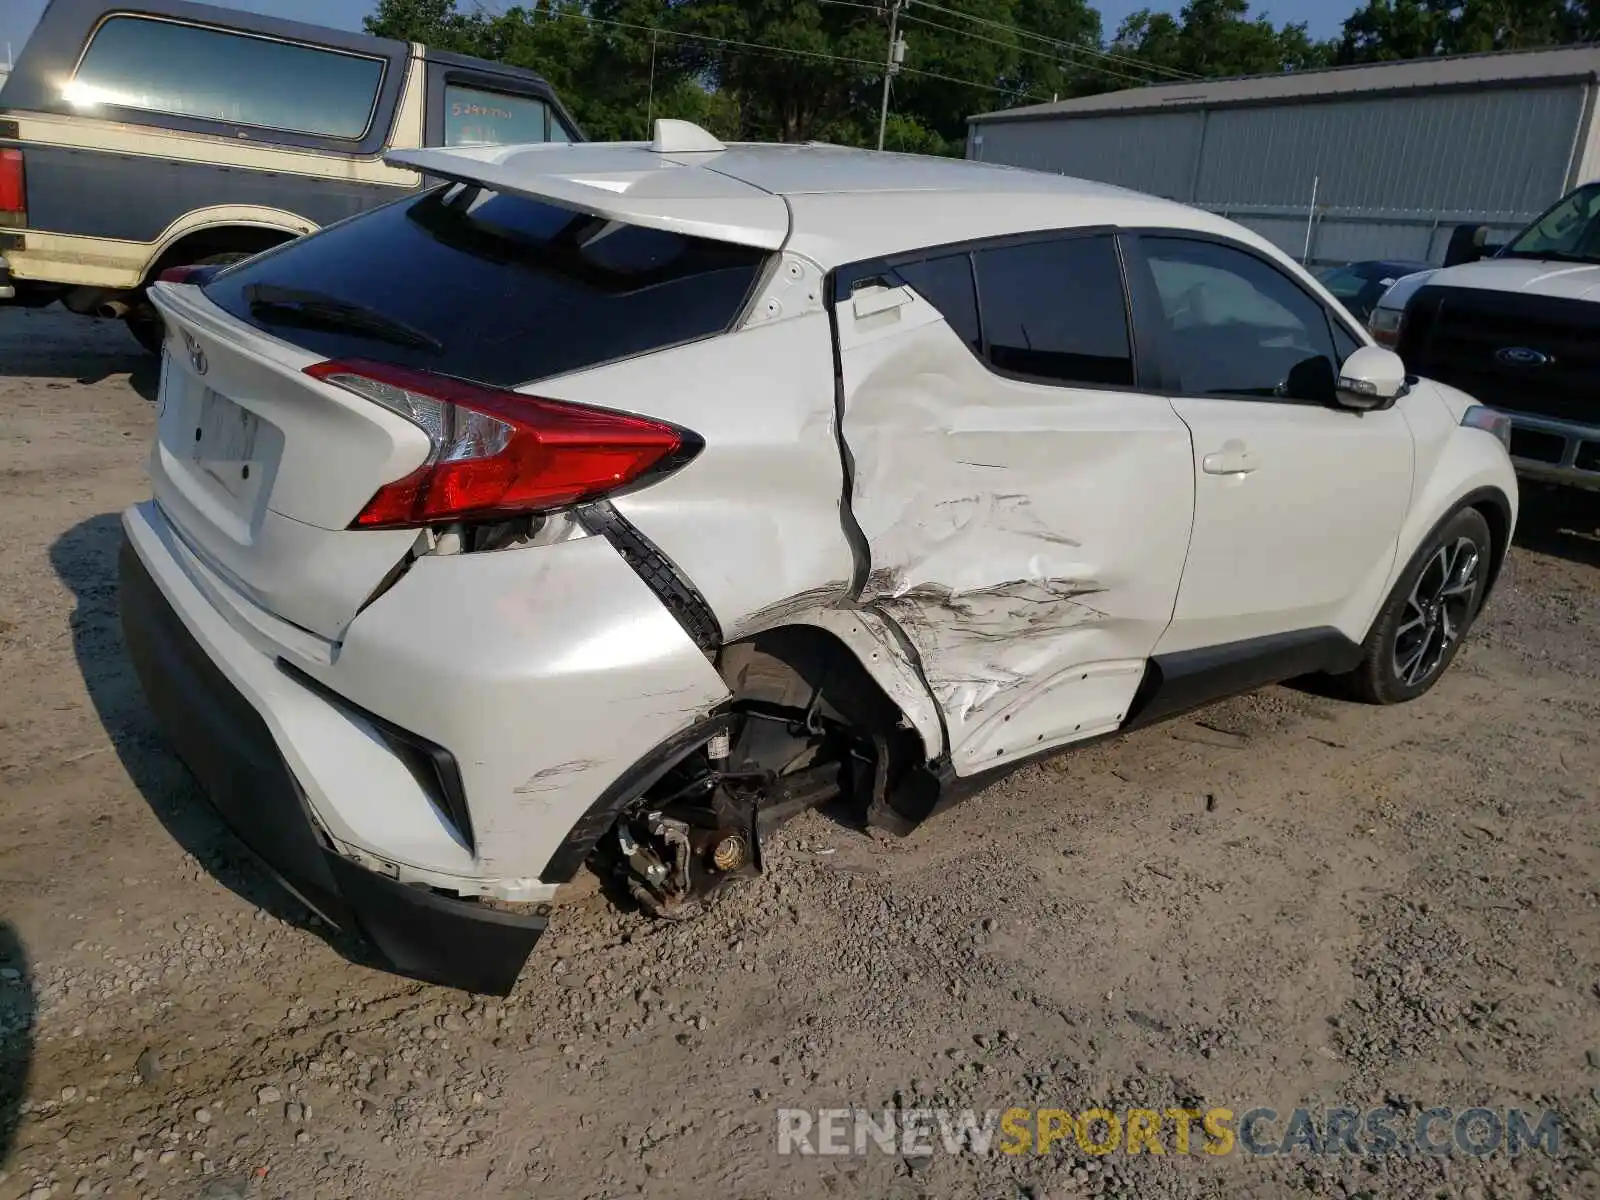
(197, 356)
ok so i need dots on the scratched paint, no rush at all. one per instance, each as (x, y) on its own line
(553, 778)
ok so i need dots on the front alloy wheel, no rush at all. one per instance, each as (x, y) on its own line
(1436, 612)
(1426, 617)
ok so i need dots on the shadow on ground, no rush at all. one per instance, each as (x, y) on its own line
(17, 1015)
(1564, 522)
(52, 343)
(85, 558)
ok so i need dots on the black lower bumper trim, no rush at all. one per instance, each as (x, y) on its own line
(223, 740)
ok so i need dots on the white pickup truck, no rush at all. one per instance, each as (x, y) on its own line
(1520, 331)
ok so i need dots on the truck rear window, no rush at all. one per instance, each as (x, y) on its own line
(168, 66)
(490, 287)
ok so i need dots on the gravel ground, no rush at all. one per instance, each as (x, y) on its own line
(1285, 901)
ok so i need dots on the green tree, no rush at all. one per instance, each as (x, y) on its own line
(1217, 38)
(1386, 30)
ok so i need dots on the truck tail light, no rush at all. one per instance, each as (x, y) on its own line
(13, 189)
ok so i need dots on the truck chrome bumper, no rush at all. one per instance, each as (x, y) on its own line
(1555, 451)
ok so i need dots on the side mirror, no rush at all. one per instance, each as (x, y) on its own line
(1468, 243)
(1371, 378)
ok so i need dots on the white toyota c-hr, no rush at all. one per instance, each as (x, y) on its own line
(610, 504)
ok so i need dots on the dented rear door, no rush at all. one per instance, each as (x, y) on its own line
(1026, 507)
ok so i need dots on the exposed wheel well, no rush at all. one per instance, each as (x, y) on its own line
(798, 665)
(805, 722)
(220, 239)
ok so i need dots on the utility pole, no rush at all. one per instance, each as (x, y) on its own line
(650, 104)
(897, 55)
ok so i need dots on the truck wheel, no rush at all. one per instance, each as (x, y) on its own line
(146, 326)
(144, 322)
(1426, 618)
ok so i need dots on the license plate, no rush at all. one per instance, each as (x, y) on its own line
(225, 442)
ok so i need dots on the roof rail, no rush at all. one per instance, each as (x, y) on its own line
(683, 137)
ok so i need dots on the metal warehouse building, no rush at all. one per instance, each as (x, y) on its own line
(1396, 154)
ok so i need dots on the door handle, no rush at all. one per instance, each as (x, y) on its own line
(1235, 458)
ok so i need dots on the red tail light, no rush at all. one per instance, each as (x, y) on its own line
(498, 453)
(184, 274)
(13, 194)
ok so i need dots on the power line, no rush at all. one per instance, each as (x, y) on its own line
(1053, 57)
(1066, 46)
(767, 47)
(1057, 43)
(1080, 47)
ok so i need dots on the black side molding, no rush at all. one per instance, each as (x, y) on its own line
(1174, 684)
(671, 586)
(633, 783)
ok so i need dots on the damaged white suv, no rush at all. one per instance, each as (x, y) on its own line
(610, 504)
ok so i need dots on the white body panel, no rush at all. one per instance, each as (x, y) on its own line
(1028, 539)
(270, 509)
(1282, 537)
(546, 674)
(754, 519)
(1531, 276)
(1035, 545)
(1452, 463)
(626, 183)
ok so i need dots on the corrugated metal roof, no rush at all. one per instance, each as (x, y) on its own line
(1467, 70)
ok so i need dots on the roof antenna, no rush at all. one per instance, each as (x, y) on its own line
(683, 137)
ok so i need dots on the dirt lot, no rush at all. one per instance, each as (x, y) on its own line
(1288, 901)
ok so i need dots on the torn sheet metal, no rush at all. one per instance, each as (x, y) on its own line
(1028, 539)
(869, 637)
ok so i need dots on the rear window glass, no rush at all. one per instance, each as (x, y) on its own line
(490, 287)
(194, 71)
(1054, 311)
(946, 283)
(473, 117)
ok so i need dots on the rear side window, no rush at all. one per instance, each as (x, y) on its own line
(218, 75)
(946, 283)
(474, 117)
(1047, 311)
(490, 287)
(1054, 311)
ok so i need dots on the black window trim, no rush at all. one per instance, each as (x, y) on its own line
(206, 124)
(1147, 365)
(1141, 278)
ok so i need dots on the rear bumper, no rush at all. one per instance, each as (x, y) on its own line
(1555, 451)
(24, 292)
(227, 745)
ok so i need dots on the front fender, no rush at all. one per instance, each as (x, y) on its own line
(1456, 466)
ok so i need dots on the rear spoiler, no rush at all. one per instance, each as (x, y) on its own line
(631, 182)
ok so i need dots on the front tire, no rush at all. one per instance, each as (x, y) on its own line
(1427, 616)
(147, 327)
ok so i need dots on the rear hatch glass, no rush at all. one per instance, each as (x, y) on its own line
(496, 288)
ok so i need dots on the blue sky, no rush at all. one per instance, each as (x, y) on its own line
(17, 17)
